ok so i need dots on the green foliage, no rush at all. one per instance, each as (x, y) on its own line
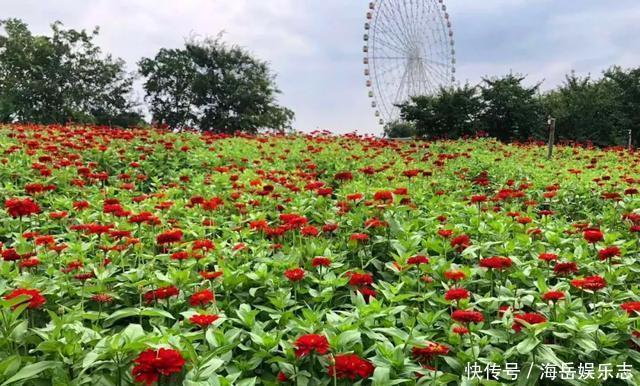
(451, 113)
(60, 78)
(214, 87)
(399, 129)
(510, 110)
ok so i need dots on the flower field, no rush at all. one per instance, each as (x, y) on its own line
(149, 257)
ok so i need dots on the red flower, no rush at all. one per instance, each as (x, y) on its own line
(496, 262)
(309, 230)
(446, 233)
(102, 298)
(359, 237)
(608, 253)
(456, 294)
(631, 307)
(460, 242)
(350, 366)
(548, 257)
(203, 320)
(311, 342)
(360, 279)
(564, 269)
(19, 208)
(426, 354)
(294, 274)
(592, 283)
(383, 195)
(418, 259)
(593, 235)
(455, 275)
(343, 176)
(530, 317)
(478, 198)
(553, 296)
(466, 316)
(168, 237)
(150, 364)
(320, 261)
(201, 298)
(161, 293)
(34, 297)
(282, 377)
(460, 330)
(210, 275)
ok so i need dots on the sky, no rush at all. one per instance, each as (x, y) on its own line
(315, 46)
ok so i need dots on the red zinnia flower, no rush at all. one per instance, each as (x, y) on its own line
(350, 366)
(311, 342)
(360, 279)
(631, 307)
(592, 283)
(548, 257)
(150, 364)
(161, 293)
(320, 261)
(530, 317)
(203, 320)
(456, 294)
(564, 269)
(102, 298)
(294, 274)
(608, 252)
(460, 242)
(34, 297)
(383, 195)
(168, 237)
(496, 262)
(593, 235)
(21, 207)
(455, 275)
(359, 237)
(553, 296)
(201, 298)
(466, 316)
(426, 354)
(418, 259)
(446, 233)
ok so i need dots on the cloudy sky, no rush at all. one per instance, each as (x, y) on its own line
(315, 46)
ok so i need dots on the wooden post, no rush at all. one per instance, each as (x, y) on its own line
(552, 133)
(630, 140)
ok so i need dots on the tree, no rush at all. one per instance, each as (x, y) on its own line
(586, 110)
(60, 78)
(214, 87)
(399, 129)
(509, 109)
(450, 113)
(627, 95)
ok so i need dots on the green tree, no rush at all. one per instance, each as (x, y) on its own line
(509, 109)
(627, 95)
(586, 110)
(450, 113)
(60, 78)
(399, 129)
(214, 87)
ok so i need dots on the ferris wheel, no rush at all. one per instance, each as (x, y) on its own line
(409, 51)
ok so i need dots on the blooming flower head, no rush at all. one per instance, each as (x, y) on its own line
(21, 207)
(150, 364)
(460, 242)
(496, 262)
(467, 316)
(591, 283)
(306, 344)
(418, 259)
(320, 261)
(360, 279)
(426, 354)
(456, 294)
(161, 293)
(203, 320)
(294, 274)
(631, 307)
(33, 297)
(168, 237)
(593, 235)
(350, 366)
(529, 317)
(553, 296)
(608, 253)
(201, 298)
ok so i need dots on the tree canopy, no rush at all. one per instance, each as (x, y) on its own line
(60, 78)
(214, 87)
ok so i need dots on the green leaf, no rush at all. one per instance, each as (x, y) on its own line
(381, 376)
(31, 371)
(527, 345)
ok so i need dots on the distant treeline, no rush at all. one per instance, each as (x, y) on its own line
(602, 111)
(65, 78)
